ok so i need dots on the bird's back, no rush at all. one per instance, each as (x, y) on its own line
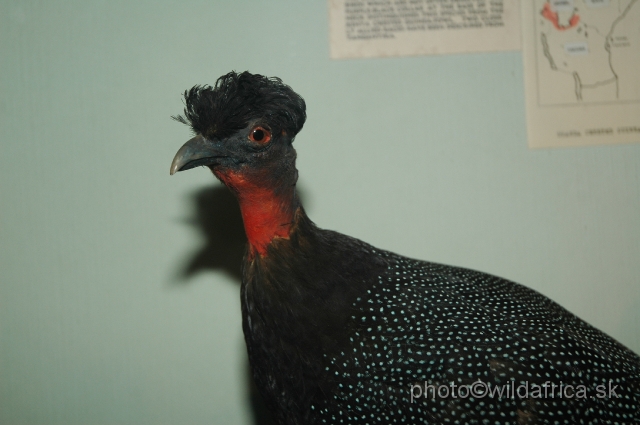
(446, 344)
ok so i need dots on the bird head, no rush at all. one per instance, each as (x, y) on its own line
(244, 128)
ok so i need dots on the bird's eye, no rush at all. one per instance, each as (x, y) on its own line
(260, 135)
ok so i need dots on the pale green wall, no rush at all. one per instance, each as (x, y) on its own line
(425, 156)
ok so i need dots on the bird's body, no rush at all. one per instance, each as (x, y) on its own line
(340, 332)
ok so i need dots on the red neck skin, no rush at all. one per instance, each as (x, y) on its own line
(267, 212)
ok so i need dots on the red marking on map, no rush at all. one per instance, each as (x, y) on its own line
(552, 17)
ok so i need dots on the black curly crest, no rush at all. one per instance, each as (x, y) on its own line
(236, 99)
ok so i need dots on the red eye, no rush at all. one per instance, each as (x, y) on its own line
(260, 135)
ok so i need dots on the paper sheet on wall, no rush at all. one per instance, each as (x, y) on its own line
(582, 71)
(379, 28)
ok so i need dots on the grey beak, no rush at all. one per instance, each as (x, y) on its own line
(197, 151)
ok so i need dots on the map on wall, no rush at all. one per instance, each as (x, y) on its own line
(586, 50)
(582, 62)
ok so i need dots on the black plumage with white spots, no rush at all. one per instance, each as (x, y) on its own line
(406, 322)
(340, 332)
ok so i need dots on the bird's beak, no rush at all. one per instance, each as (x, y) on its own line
(196, 152)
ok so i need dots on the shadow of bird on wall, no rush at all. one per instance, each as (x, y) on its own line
(216, 215)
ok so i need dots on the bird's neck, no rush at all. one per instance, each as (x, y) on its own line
(268, 210)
